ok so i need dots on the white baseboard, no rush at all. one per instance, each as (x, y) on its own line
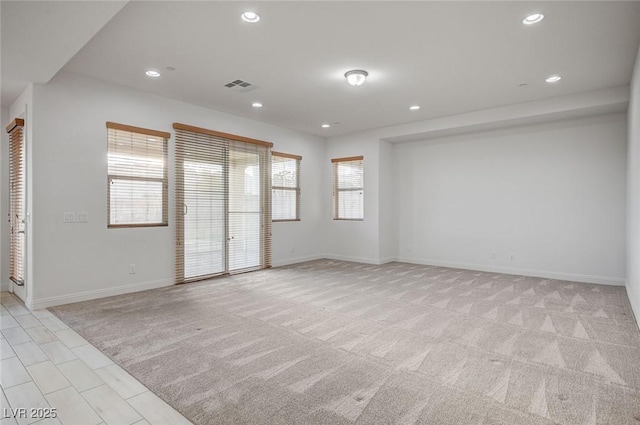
(288, 261)
(573, 277)
(37, 304)
(352, 259)
(5, 286)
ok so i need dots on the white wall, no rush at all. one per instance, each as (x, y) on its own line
(552, 194)
(84, 260)
(387, 204)
(633, 197)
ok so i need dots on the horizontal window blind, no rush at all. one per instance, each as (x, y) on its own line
(285, 187)
(223, 203)
(17, 201)
(348, 188)
(137, 182)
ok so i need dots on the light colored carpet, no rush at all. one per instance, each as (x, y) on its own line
(329, 342)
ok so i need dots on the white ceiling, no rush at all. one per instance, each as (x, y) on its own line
(39, 38)
(448, 57)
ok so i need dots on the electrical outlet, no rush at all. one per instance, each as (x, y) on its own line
(132, 269)
(69, 217)
(493, 254)
(512, 256)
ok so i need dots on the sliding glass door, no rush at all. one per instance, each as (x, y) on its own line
(223, 205)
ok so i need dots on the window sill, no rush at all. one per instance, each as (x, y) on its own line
(128, 226)
(284, 221)
(348, 219)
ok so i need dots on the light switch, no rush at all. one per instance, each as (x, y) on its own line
(83, 217)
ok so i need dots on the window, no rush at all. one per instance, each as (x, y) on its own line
(285, 187)
(17, 201)
(348, 188)
(137, 177)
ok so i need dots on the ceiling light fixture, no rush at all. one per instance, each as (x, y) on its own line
(256, 105)
(326, 125)
(533, 19)
(251, 17)
(553, 79)
(152, 73)
(356, 77)
(414, 107)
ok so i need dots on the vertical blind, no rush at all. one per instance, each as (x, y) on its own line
(223, 203)
(16, 201)
(348, 188)
(285, 186)
(137, 182)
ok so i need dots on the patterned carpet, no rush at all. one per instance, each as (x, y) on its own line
(330, 342)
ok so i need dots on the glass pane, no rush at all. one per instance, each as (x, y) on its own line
(284, 204)
(204, 221)
(351, 204)
(135, 202)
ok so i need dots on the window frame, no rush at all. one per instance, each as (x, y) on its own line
(296, 189)
(164, 180)
(337, 190)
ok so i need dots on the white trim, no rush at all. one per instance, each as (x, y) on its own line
(296, 260)
(98, 293)
(352, 259)
(6, 287)
(573, 277)
(387, 260)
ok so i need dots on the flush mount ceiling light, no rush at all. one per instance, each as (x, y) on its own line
(533, 19)
(414, 107)
(356, 77)
(325, 125)
(251, 17)
(553, 79)
(153, 74)
(256, 105)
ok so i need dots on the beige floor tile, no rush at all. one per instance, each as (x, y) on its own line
(80, 375)
(28, 396)
(12, 373)
(49, 421)
(72, 408)
(110, 406)
(5, 349)
(28, 321)
(156, 411)
(29, 353)
(4, 311)
(41, 314)
(70, 338)
(120, 381)
(53, 323)
(142, 422)
(92, 356)
(41, 335)
(47, 377)
(17, 309)
(16, 336)
(58, 352)
(8, 421)
(7, 322)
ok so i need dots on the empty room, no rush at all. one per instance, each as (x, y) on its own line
(320, 212)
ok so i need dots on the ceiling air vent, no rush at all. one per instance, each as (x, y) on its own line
(240, 85)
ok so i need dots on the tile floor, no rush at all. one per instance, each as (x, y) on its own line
(45, 364)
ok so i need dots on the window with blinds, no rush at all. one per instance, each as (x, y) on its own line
(137, 183)
(285, 187)
(223, 203)
(17, 201)
(348, 188)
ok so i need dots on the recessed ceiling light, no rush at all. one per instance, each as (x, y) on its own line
(152, 73)
(414, 107)
(356, 77)
(533, 19)
(553, 78)
(326, 125)
(251, 17)
(256, 105)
